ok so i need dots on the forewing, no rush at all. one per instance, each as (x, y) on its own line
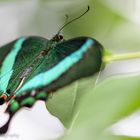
(76, 58)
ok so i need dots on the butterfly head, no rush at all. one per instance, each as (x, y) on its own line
(57, 38)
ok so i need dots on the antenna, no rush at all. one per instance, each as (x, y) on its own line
(66, 19)
(72, 20)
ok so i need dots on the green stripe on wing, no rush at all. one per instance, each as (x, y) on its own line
(6, 70)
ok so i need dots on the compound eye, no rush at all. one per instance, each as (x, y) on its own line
(3, 99)
(60, 37)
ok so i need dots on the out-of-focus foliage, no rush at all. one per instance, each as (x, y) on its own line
(112, 100)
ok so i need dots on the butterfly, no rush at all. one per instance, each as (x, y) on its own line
(33, 67)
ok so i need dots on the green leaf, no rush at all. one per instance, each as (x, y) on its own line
(112, 100)
(64, 102)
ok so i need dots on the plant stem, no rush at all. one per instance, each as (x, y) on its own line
(115, 57)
